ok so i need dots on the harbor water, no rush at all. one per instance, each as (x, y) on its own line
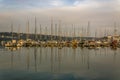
(39, 63)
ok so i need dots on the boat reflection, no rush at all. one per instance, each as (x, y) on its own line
(56, 60)
(12, 48)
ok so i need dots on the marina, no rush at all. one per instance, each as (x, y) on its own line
(73, 43)
(59, 40)
(43, 56)
(57, 37)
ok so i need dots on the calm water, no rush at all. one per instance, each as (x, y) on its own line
(59, 64)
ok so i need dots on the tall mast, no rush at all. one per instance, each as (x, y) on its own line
(65, 33)
(88, 29)
(51, 29)
(82, 33)
(74, 33)
(19, 31)
(12, 30)
(95, 33)
(35, 28)
(46, 33)
(105, 32)
(59, 32)
(40, 32)
(27, 30)
(55, 31)
(79, 34)
(115, 30)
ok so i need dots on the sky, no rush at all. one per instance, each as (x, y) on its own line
(102, 14)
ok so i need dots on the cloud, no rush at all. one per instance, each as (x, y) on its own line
(76, 3)
(25, 4)
(56, 3)
(92, 4)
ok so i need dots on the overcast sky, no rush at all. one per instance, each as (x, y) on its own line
(100, 13)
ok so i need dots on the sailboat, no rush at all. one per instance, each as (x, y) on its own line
(28, 41)
(74, 41)
(12, 43)
(20, 42)
(59, 32)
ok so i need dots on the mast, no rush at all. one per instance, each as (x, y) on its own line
(115, 30)
(66, 33)
(55, 31)
(88, 29)
(35, 28)
(40, 32)
(79, 34)
(82, 34)
(66, 36)
(12, 30)
(46, 33)
(51, 29)
(74, 33)
(105, 32)
(95, 33)
(19, 32)
(59, 30)
(27, 30)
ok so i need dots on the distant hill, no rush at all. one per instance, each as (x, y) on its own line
(5, 36)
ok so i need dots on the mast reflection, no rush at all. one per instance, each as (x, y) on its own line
(88, 59)
(40, 55)
(35, 58)
(12, 55)
(59, 60)
(28, 58)
(51, 59)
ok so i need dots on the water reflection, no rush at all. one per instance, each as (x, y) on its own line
(41, 55)
(59, 60)
(35, 58)
(79, 63)
(12, 56)
(12, 48)
(51, 59)
(87, 60)
(28, 58)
